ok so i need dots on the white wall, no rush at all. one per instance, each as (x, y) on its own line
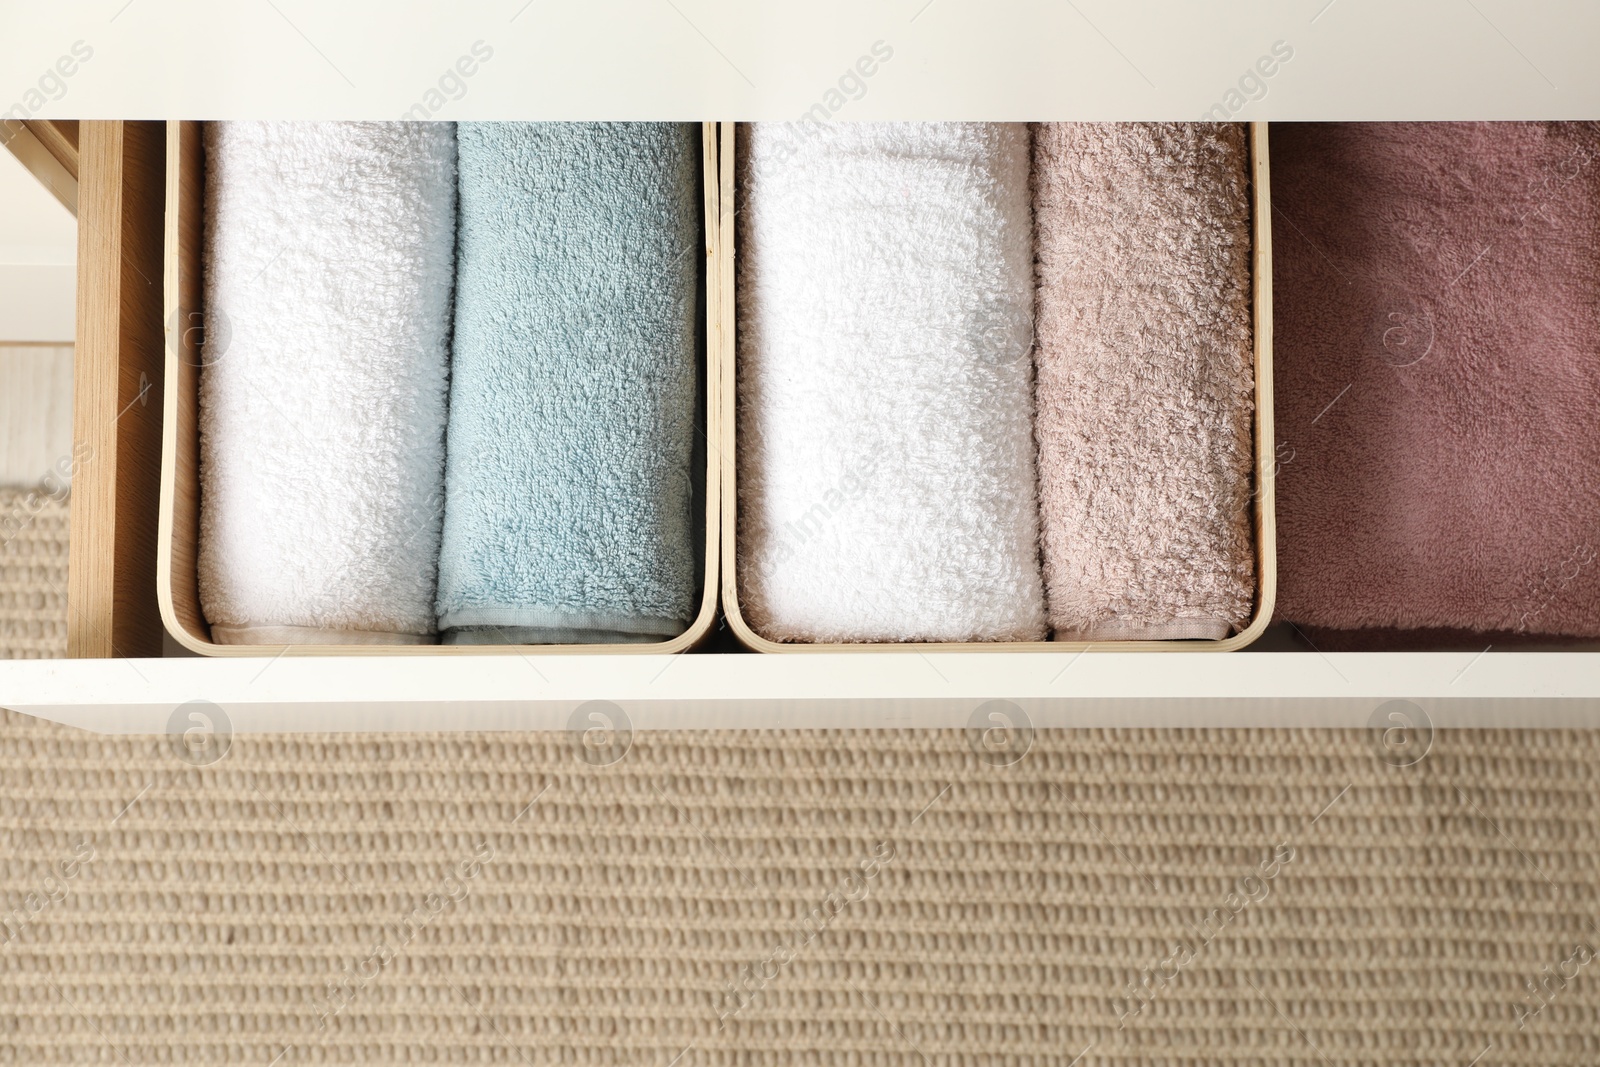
(38, 282)
(38, 259)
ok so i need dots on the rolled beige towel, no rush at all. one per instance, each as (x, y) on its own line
(1145, 379)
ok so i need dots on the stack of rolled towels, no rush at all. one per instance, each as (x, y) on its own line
(995, 383)
(449, 387)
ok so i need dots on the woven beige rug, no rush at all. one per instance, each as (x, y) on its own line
(33, 575)
(884, 899)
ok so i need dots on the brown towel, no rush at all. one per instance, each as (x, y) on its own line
(1438, 371)
(1145, 378)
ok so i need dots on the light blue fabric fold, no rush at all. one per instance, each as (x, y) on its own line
(568, 514)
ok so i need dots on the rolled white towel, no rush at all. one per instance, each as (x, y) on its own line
(329, 256)
(886, 460)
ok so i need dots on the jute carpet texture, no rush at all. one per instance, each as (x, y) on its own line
(33, 574)
(881, 899)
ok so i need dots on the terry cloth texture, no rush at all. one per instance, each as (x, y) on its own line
(886, 467)
(1146, 379)
(1437, 365)
(329, 254)
(799, 897)
(572, 398)
(33, 574)
(35, 415)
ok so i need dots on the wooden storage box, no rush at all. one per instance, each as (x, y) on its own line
(176, 564)
(723, 306)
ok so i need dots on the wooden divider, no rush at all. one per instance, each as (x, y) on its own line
(59, 137)
(117, 379)
(49, 149)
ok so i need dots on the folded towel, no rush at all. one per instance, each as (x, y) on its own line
(1437, 367)
(572, 402)
(886, 468)
(1146, 379)
(329, 249)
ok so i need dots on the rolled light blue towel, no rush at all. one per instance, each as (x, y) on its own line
(572, 396)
